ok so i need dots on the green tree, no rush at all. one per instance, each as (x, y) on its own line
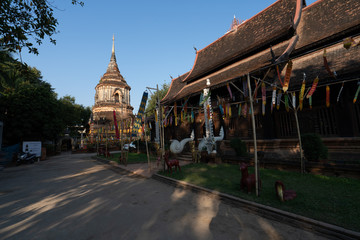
(29, 106)
(151, 104)
(22, 20)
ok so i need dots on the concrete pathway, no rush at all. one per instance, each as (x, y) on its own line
(76, 197)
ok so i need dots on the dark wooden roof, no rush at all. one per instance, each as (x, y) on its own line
(323, 25)
(326, 21)
(176, 85)
(262, 30)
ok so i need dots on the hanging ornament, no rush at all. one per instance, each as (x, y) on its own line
(273, 99)
(263, 96)
(294, 100)
(357, 93)
(171, 120)
(326, 64)
(188, 117)
(279, 76)
(278, 100)
(287, 76)
(327, 96)
(245, 110)
(221, 110)
(239, 110)
(341, 89)
(181, 116)
(229, 89)
(301, 95)
(185, 108)
(256, 91)
(201, 99)
(313, 87)
(192, 115)
(229, 110)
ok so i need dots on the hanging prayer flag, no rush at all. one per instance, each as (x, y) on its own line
(279, 76)
(326, 64)
(327, 96)
(239, 110)
(286, 98)
(256, 90)
(310, 102)
(357, 93)
(313, 88)
(287, 76)
(229, 110)
(263, 96)
(301, 95)
(294, 100)
(192, 115)
(221, 110)
(273, 99)
(245, 110)
(181, 116)
(229, 89)
(338, 97)
(278, 99)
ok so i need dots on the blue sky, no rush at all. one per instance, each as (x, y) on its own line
(153, 39)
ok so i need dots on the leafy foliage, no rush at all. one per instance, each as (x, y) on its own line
(151, 104)
(313, 147)
(239, 147)
(29, 106)
(22, 19)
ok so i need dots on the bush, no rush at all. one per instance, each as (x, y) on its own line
(239, 147)
(313, 147)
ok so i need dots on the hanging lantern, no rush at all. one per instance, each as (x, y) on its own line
(263, 96)
(287, 76)
(341, 89)
(273, 99)
(229, 89)
(357, 93)
(301, 95)
(313, 87)
(294, 100)
(327, 96)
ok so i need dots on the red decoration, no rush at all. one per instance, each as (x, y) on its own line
(247, 181)
(171, 163)
(284, 195)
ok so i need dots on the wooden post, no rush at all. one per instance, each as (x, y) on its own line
(302, 163)
(254, 136)
(147, 148)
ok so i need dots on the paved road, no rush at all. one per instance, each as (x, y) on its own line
(75, 197)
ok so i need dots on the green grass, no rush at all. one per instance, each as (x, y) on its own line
(132, 158)
(330, 199)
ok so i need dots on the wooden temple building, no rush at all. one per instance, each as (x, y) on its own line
(287, 41)
(112, 94)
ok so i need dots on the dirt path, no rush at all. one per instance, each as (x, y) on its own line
(75, 197)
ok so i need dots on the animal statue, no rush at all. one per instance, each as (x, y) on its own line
(170, 163)
(204, 142)
(284, 195)
(247, 181)
(177, 147)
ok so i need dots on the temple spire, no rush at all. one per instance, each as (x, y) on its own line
(113, 58)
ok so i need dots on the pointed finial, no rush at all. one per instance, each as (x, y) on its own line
(113, 46)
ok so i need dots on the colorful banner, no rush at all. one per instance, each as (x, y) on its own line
(137, 123)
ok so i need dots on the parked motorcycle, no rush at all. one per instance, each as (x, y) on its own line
(25, 157)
